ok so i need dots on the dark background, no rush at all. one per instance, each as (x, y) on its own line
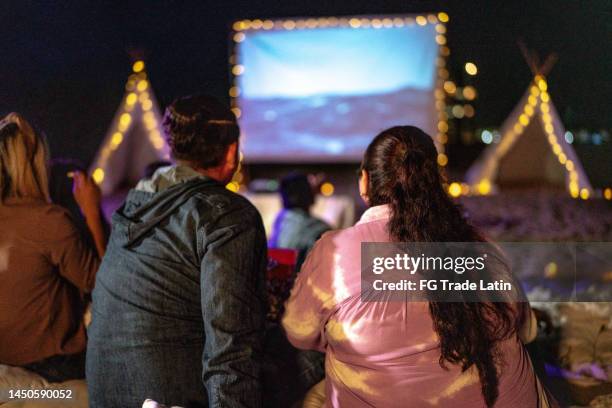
(64, 64)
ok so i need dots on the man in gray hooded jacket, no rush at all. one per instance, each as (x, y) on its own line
(179, 307)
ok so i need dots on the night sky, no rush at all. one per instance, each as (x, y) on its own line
(65, 65)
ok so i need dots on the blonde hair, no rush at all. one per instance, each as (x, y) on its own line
(23, 160)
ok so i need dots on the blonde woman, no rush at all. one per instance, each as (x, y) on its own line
(44, 265)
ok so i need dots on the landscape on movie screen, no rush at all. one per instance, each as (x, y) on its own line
(328, 124)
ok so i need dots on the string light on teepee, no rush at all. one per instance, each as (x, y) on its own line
(537, 101)
(454, 189)
(138, 66)
(137, 104)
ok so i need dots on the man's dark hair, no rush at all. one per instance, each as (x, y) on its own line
(199, 129)
(296, 191)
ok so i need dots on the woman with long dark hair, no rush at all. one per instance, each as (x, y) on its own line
(407, 354)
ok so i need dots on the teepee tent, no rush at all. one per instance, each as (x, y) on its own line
(532, 151)
(134, 139)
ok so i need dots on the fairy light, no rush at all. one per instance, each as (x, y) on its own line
(142, 85)
(549, 128)
(355, 22)
(573, 188)
(518, 128)
(124, 122)
(116, 140)
(138, 66)
(238, 69)
(239, 26)
(149, 120)
(584, 194)
(312, 23)
(442, 159)
(484, 187)
(471, 68)
(239, 37)
(147, 105)
(532, 100)
(469, 111)
(327, 189)
(234, 91)
(469, 93)
(458, 111)
(131, 99)
(98, 175)
(450, 87)
(454, 189)
(156, 140)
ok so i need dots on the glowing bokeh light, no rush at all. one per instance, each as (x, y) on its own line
(471, 68)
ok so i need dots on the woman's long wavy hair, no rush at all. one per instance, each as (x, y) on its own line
(402, 169)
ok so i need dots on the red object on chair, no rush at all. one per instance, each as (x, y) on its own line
(281, 262)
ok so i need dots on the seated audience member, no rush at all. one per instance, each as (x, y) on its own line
(294, 226)
(179, 306)
(44, 263)
(400, 353)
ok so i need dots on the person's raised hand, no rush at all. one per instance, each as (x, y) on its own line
(87, 194)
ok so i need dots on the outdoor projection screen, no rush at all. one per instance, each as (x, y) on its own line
(307, 91)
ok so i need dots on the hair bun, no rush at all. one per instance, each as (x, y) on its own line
(414, 157)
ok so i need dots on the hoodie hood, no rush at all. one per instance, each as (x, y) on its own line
(154, 200)
(166, 177)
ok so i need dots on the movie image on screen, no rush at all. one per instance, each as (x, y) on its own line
(322, 94)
